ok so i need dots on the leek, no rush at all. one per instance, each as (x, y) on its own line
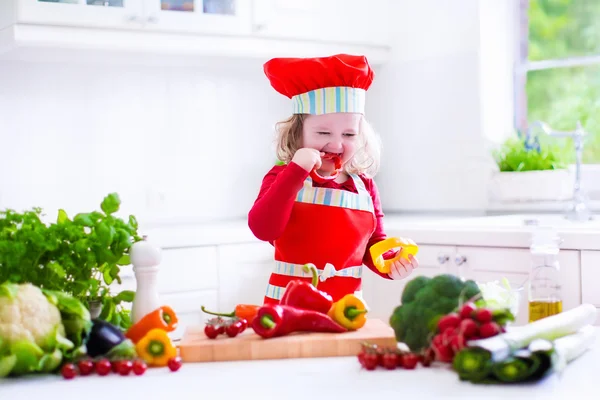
(530, 352)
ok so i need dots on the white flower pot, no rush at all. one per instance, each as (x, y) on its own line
(549, 185)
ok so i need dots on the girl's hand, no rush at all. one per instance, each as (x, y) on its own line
(308, 159)
(402, 268)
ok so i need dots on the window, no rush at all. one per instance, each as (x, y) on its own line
(558, 68)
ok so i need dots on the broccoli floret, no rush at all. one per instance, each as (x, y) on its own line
(424, 301)
(412, 287)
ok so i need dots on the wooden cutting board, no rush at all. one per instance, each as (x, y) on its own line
(196, 347)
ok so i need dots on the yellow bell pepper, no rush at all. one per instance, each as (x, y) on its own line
(156, 348)
(349, 312)
(379, 248)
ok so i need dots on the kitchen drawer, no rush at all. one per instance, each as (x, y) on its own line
(187, 307)
(188, 269)
(590, 277)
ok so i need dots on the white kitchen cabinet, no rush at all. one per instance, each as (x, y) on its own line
(88, 13)
(244, 271)
(590, 279)
(383, 295)
(341, 21)
(224, 17)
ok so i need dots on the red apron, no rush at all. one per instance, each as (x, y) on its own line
(329, 228)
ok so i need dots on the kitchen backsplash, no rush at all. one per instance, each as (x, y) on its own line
(172, 141)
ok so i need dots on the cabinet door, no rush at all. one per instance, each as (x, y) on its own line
(201, 16)
(90, 13)
(244, 271)
(590, 279)
(383, 295)
(339, 21)
(484, 264)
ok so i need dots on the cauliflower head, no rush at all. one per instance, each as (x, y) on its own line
(27, 314)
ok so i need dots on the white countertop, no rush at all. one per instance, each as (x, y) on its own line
(322, 378)
(496, 231)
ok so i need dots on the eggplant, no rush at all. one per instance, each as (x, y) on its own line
(103, 337)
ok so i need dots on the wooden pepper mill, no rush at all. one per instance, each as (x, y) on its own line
(145, 258)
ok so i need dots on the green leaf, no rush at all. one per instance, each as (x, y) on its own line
(111, 203)
(7, 364)
(9, 290)
(125, 349)
(57, 269)
(28, 355)
(62, 217)
(126, 296)
(83, 219)
(133, 222)
(125, 260)
(50, 361)
(105, 233)
(108, 279)
(108, 308)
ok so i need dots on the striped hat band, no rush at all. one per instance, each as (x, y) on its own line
(330, 100)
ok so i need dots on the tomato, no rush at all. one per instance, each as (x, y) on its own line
(211, 331)
(390, 360)
(233, 329)
(125, 367)
(139, 367)
(244, 324)
(115, 366)
(410, 360)
(174, 363)
(371, 361)
(361, 358)
(103, 367)
(68, 371)
(86, 367)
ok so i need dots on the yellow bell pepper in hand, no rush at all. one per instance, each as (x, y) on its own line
(349, 312)
(156, 348)
(379, 248)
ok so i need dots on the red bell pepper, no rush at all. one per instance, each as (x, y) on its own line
(305, 295)
(338, 167)
(275, 320)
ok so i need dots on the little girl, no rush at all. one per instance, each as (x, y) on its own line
(305, 209)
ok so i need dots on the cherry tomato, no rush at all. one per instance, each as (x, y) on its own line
(244, 324)
(85, 367)
(211, 331)
(361, 358)
(390, 360)
(410, 360)
(103, 367)
(371, 360)
(139, 367)
(68, 371)
(115, 366)
(174, 363)
(233, 329)
(124, 367)
(221, 329)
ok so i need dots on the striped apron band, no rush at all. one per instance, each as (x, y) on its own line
(295, 270)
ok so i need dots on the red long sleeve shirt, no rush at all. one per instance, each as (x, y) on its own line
(272, 209)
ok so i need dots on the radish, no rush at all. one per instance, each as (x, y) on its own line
(457, 343)
(483, 315)
(448, 321)
(467, 310)
(468, 328)
(489, 329)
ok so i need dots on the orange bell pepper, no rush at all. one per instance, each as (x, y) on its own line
(162, 318)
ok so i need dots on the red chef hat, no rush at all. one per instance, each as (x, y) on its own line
(322, 85)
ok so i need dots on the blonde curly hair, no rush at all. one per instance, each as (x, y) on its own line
(365, 161)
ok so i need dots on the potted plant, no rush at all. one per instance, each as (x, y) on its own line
(531, 169)
(81, 256)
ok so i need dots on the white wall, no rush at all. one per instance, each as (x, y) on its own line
(426, 105)
(171, 141)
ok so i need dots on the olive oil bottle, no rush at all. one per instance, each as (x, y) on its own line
(545, 297)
